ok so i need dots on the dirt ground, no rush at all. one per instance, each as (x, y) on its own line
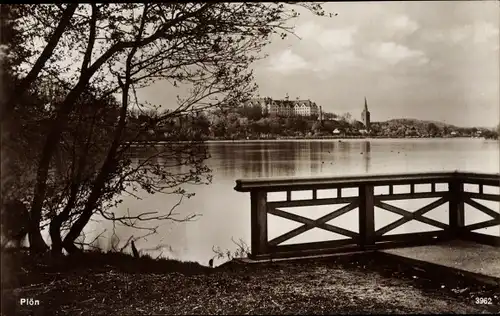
(354, 284)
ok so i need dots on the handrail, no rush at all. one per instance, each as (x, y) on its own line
(366, 201)
(304, 183)
(471, 176)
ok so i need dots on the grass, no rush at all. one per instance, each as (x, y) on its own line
(26, 269)
(118, 284)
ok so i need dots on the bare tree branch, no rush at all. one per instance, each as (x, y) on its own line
(25, 83)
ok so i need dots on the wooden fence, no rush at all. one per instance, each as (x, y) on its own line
(446, 187)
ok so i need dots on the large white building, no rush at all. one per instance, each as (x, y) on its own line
(285, 107)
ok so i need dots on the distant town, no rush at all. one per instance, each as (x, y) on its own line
(267, 118)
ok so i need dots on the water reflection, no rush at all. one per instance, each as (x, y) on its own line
(233, 160)
(291, 158)
(367, 155)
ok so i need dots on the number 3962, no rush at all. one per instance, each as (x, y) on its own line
(484, 300)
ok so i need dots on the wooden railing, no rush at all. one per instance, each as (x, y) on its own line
(446, 187)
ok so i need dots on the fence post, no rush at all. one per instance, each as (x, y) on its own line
(366, 217)
(258, 201)
(456, 209)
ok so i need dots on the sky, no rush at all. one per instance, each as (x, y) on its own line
(427, 60)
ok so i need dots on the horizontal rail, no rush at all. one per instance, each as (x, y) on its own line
(479, 178)
(446, 187)
(309, 183)
(481, 196)
(412, 236)
(410, 196)
(314, 245)
(296, 203)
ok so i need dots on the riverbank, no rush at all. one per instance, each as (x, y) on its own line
(118, 284)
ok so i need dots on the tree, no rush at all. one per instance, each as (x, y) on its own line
(300, 125)
(275, 126)
(375, 129)
(329, 116)
(20, 52)
(346, 117)
(289, 123)
(253, 112)
(121, 48)
(84, 146)
(264, 126)
(358, 125)
(432, 129)
(446, 130)
(316, 128)
(202, 124)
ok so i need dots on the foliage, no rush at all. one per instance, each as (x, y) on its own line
(242, 124)
(242, 251)
(84, 132)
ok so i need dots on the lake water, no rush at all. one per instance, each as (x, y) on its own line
(225, 213)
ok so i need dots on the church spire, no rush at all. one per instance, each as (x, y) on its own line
(365, 116)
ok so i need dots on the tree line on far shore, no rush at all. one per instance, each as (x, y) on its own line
(253, 123)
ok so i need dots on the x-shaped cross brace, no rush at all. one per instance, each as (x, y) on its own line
(408, 216)
(310, 223)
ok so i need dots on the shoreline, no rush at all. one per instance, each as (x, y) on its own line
(213, 141)
(337, 139)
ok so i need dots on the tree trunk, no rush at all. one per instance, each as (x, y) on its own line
(134, 250)
(110, 161)
(58, 220)
(106, 169)
(55, 133)
(80, 223)
(55, 236)
(99, 184)
(37, 244)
